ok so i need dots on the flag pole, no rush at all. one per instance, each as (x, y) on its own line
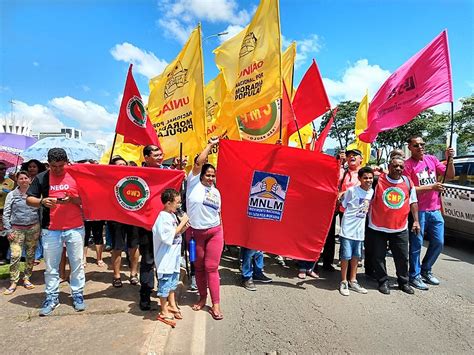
(337, 131)
(281, 119)
(291, 98)
(112, 150)
(451, 134)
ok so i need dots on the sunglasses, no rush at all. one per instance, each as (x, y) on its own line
(418, 145)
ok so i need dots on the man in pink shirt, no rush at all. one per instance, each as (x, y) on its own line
(425, 171)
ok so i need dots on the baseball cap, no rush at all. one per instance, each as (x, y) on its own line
(354, 151)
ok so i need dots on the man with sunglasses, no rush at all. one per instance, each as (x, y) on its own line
(426, 171)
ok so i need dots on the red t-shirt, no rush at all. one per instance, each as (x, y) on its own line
(69, 215)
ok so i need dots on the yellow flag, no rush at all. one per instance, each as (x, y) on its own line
(287, 67)
(251, 61)
(176, 103)
(360, 126)
(306, 133)
(214, 94)
(129, 152)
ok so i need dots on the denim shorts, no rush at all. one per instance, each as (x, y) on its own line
(167, 283)
(349, 248)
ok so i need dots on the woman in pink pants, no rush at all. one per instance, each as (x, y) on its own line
(203, 208)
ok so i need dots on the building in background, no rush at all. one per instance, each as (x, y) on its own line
(68, 132)
(15, 126)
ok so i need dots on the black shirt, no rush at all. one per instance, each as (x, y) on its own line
(39, 188)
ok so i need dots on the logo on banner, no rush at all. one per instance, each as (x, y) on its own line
(136, 111)
(248, 45)
(260, 124)
(132, 192)
(393, 198)
(211, 107)
(176, 79)
(267, 195)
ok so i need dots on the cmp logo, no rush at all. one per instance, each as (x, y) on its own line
(248, 45)
(267, 195)
(393, 198)
(177, 78)
(132, 192)
(136, 111)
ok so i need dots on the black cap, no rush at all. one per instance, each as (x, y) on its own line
(354, 151)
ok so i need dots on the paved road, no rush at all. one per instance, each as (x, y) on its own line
(295, 316)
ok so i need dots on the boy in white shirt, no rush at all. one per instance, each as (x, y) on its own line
(167, 240)
(356, 202)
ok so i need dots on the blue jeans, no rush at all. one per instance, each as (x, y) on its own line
(432, 223)
(39, 250)
(252, 263)
(53, 248)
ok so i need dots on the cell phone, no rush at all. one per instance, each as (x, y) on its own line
(61, 199)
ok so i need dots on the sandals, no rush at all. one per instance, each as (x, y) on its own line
(134, 279)
(216, 316)
(9, 291)
(28, 285)
(117, 282)
(167, 320)
(177, 314)
(312, 274)
(101, 263)
(198, 307)
(302, 275)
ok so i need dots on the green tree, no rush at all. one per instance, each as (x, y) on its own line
(464, 125)
(344, 121)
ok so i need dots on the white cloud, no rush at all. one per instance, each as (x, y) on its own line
(89, 115)
(231, 30)
(85, 88)
(176, 29)
(145, 63)
(42, 118)
(357, 78)
(36, 64)
(183, 15)
(305, 47)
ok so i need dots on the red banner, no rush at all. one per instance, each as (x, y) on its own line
(126, 194)
(133, 123)
(275, 198)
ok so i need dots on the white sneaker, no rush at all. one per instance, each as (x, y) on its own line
(344, 288)
(354, 286)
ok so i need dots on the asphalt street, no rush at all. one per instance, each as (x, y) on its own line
(310, 316)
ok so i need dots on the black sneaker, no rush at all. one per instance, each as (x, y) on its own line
(249, 285)
(383, 288)
(145, 303)
(407, 289)
(262, 278)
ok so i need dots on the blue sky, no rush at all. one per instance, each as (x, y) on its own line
(65, 62)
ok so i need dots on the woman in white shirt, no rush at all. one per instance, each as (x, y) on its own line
(203, 208)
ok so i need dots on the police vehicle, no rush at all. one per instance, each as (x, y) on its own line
(458, 199)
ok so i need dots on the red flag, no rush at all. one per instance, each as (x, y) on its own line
(319, 144)
(267, 198)
(288, 115)
(422, 82)
(126, 194)
(133, 123)
(311, 100)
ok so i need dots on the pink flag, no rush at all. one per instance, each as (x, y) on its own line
(422, 82)
(319, 144)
